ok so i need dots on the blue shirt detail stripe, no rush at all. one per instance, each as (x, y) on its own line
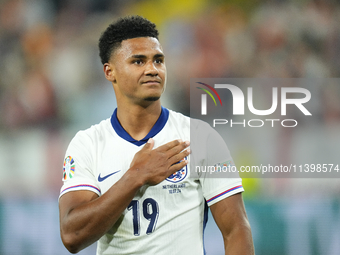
(205, 221)
(160, 123)
(225, 192)
(82, 185)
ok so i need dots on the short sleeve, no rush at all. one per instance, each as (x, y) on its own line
(78, 166)
(214, 165)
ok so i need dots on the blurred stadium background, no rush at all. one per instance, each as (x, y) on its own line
(52, 85)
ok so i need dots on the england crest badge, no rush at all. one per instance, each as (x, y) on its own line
(179, 175)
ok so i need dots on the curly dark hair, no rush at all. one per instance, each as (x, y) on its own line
(122, 29)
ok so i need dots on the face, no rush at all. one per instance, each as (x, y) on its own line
(137, 70)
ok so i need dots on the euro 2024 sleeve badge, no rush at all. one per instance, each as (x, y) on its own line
(69, 168)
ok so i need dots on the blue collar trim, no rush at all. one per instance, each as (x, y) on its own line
(160, 123)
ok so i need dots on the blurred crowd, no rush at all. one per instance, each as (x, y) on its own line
(48, 59)
(51, 76)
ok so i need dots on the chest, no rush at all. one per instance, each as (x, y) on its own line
(114, 156)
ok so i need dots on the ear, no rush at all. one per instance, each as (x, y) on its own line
(109, 72)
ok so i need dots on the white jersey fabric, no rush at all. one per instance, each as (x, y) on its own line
(167, 218)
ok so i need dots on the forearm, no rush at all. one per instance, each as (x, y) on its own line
(85, 224)
(239, 241)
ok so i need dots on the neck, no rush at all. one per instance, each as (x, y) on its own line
(138, 120)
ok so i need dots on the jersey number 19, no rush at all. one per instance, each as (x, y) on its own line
(150, 212)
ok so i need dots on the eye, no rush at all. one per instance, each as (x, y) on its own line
(138, 62)
(159, 61)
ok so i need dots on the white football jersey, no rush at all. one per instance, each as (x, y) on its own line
(167, 218)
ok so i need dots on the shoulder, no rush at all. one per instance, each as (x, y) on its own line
(196, 126)
(93, 133)
(178, 117)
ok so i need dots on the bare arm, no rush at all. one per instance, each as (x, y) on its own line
(231, 218)
(85, 217)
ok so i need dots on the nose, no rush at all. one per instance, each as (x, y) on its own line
(151, 69)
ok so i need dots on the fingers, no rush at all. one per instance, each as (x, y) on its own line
(157, 164)
(177, 149)
(174, 147)
(169, 145)
(174, 168)
(149, 145)
(179, 156)
(151, 142)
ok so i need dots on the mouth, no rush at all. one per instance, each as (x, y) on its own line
(151, 82)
